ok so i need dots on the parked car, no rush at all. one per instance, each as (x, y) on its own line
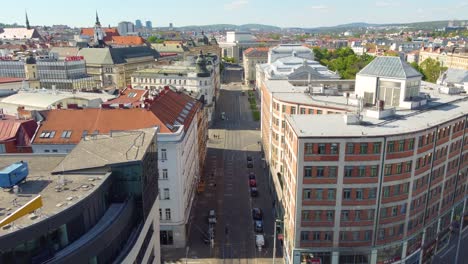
(259, 241)
(252, 183)
(249, 158)
(251, 176)
(257, 213)
(212, 217)
(258, 226)
(250, 164)
(253, 191)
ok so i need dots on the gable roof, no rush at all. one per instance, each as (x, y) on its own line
(455, 76)
(256, 52)
(21, 130)
(391, 67)
(175, 108)
(109, 56)
(127, 40)
(19, 33)
(129, 96)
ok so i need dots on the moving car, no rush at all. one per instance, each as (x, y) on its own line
(212, 217)
(258, 226)
(252, 183)
(259, 241)
(253, 191)
(257, 213)
(251, 176)
(249, 164)
(249, 158)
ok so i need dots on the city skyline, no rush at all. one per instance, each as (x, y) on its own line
(184, 13)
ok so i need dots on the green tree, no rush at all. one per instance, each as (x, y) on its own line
(416, 67)
(432, 69)
(152, 39)
(229, 59)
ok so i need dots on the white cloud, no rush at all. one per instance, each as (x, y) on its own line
(238, 4)
(419, 10)
(386, 4)
(463, 4)
(319, 7)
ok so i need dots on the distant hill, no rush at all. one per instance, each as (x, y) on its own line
(220, 27)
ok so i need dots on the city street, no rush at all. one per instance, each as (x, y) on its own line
(447, 255)
(227, 191)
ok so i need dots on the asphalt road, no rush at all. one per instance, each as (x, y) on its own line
(227, 191)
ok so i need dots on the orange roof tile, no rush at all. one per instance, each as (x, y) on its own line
(10, 80)
(109, 33)
(127, 40)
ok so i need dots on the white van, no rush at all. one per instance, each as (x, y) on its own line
(212, 217)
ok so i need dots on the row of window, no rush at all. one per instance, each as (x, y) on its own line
(390, 232)
(167, 214)
(395, 190)
(397, 168)
(393, 211)
(400, 145)
(319, 194)
(320, 171)
(293, 109)
(361, 171)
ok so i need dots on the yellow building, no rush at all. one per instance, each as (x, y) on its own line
(449, 59)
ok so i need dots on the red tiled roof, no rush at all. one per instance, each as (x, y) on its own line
(129, 96)
(10, 80)
(257, 51)
(169, 106)
(164, 112)
(127, 40)
(110, 32)
(167, 54)
(21, 130)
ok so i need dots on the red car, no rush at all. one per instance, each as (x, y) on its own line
(253, 183)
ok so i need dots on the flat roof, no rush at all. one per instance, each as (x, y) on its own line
(41, 181)
(439, 110)
(41, 99)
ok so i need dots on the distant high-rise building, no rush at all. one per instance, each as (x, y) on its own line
(138, 24)
(170, 26)
(125, 27)
(149, 25)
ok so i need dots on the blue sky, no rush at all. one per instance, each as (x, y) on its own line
(283, 13)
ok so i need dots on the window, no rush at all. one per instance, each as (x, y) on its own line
(376, 148)
(330, 215)
(2, 148)
(347, 194)
(84, 134)
(66, 134)
(348, 171)
(321, 149)
(316, 235)
(304, 235)
(342, 236)
(328, 236)
(386, 191)
(305, 215)
(168, 214)
(47, 134)
(319, 112)
(166, 237)
(401, 145)
(357, 215)
(350, 148)
(363, 148)
(319, 194)
(398, 168)
(309, 148)
(408, 166)
(362, 171)
(308, 171)
(391, 147)
(303, 111)
(283, 108)
(370, 214)
(381, 233)
(374, 169)
(383, 212)
(164, 174)
(411, 144)
(332, 172)
(334, 148)
(318, 215)
(367, 235)
(163, 154)
(394, 210)
(320, 171)
(388, 169)
(372, 193)
(345, 215)
(359, 194)
(293, 110)
(307, 194)
(311, 111)
(160, 214)
(356, 235)
(166, 194)
(331, 194)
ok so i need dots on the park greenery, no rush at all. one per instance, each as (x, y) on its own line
(342, 60)
(154, 39)
(253, 106)
(229, 59)
(430, 69)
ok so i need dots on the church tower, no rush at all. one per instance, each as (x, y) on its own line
(27, 21)
(30, 68)
(99, 33)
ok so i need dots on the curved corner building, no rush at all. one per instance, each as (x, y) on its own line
(380, 182)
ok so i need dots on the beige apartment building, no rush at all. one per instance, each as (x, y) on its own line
(252, 57)
(449, 59)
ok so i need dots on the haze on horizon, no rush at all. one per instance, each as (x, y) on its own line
(300, 13)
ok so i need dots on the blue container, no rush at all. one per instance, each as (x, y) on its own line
(13, 174)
